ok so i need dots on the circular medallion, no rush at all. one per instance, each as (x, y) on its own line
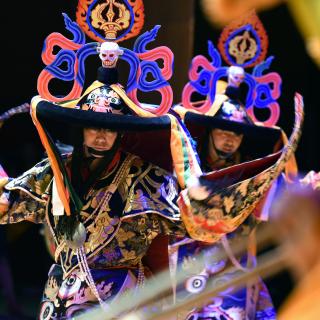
(70, 286)
(196, 284)
(46, 311)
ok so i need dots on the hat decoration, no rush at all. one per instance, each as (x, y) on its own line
(110, 19)
(242, 43)
(69, 65)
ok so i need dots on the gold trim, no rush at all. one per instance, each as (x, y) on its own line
(27, 192)
(150, 211)
(113, 186)
(66, 273)
(132, 189)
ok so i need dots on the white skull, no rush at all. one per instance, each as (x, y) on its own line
(109, 53)
(235, 76)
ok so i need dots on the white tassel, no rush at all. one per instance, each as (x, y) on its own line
(57, 205)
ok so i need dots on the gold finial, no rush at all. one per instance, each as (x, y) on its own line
(244, 42)
(243, 48)
(104, 17)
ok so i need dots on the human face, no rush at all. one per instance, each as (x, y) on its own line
(99, 139)
(226, 141)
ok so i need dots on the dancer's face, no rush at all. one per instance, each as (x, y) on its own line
(226, 141)
(99, 139)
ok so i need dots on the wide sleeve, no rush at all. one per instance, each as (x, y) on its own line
(25, 197)
(149, 189)
(227, 207)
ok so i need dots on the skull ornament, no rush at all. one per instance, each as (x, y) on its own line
(109, 53)
(235, 76)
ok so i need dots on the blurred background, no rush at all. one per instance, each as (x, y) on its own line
(293, 27)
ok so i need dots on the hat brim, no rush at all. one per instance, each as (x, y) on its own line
(238, 127)
(148, 138)
(258, 141)
(47, 111)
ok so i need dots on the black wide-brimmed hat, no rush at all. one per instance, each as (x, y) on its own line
(228, 113)
(160, 140)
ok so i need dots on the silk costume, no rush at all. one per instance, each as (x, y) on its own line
(252, 301)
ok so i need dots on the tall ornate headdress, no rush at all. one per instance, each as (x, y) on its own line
(243, 43)
(107, 20)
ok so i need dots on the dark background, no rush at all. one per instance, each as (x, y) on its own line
(25, 26)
